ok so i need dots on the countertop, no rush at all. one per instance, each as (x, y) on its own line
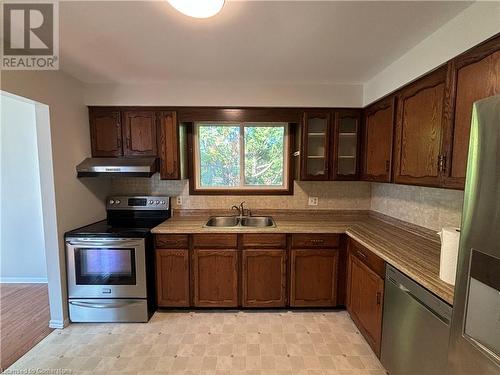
(413, 250)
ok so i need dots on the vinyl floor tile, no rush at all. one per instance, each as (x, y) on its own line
(210, 342)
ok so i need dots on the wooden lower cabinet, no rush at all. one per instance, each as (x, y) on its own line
(215, 277)
(365, 291)
(264, 278)
(313, 277)
(172, 277)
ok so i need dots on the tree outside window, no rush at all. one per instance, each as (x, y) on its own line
(241, 155)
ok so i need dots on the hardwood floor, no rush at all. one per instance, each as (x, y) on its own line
(24, 319)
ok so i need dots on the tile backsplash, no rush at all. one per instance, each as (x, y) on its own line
(335, 195)
(428, 207)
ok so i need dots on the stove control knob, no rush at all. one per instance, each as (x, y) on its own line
(111, 201)
(162, 202)
(150, 202)
(117, 201)
(157, 202)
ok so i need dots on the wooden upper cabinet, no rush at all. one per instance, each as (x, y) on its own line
(139, 131)
(105, 132)
(172, 141)
(316, 143)
(419, 128)
(377, 140)
(346, 145)
(475, 75)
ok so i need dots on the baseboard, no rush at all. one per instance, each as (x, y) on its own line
(23, 280)
(58, 324)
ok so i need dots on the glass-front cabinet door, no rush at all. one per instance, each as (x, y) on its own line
(316, 146)
(346, 144)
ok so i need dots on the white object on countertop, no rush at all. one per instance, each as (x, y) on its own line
(450, 238)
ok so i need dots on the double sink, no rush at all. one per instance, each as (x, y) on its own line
(240, 221)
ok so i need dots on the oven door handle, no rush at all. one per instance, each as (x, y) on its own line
(112, 243)
(111, 305)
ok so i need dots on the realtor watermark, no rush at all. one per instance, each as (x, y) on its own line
(30, 35)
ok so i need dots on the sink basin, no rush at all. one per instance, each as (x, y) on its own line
(222, 221)
(257, 221)
(235, 221)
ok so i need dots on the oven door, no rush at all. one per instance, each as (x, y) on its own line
(106, 268)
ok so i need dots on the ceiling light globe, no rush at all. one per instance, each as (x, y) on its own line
(198, 8)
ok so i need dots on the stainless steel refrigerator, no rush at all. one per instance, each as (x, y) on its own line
(475, 329)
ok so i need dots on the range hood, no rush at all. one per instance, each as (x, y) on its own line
(125, 167)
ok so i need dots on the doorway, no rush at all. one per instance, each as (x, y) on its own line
(24, 288)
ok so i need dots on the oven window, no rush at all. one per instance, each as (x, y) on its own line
(105, 266)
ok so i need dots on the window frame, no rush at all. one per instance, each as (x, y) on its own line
(285, 189)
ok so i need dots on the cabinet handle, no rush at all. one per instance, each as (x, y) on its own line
(117, 142)
(128, 143)
(317, 241)
(387, 165)
(442, 163)
(379, 298)
(361, 254)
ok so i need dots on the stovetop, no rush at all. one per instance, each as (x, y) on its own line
(127, 217)
(103, 229)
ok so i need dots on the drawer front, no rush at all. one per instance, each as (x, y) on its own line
(259, 240)
(312, 241)
(172, 241)
(216, 240)
(374, 262)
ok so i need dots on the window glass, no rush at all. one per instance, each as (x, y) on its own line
(241, 156)
(219, 154)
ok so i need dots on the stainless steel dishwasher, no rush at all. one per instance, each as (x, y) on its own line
(416, 328)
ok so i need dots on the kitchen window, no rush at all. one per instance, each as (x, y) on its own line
(250, 158)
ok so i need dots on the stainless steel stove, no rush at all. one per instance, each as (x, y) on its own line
(110, 264)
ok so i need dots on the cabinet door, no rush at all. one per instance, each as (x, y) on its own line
(172, 277)
(365, 290)
(419, 127)
(140, 133)
(346, 145)
(264, 278)
(171, 137)
(315, 153)
(105, 133)
(215, 278)
(475, 76)
(313, 277)
(378, 136)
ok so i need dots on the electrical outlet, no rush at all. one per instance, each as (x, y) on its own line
(313, 201)
(179, 201)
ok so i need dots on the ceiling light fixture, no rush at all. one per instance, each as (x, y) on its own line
(198, 8)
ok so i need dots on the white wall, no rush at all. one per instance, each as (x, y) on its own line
(225, 94)
(77, 202)
(22, 248)
(475, 24)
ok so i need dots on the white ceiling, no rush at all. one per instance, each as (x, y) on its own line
(249, 41)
